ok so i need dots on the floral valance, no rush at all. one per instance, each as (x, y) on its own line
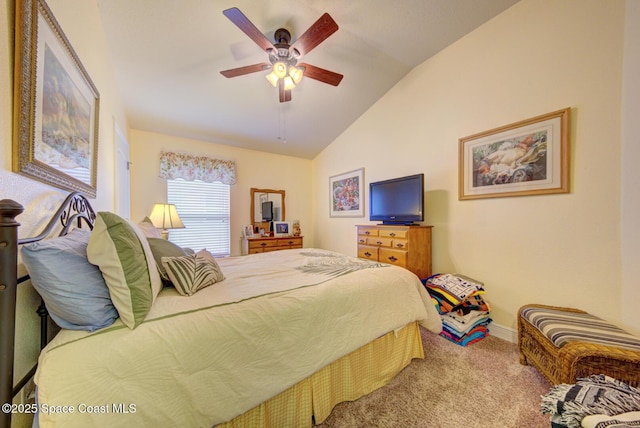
(188, 167)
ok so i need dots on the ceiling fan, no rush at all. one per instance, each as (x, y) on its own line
(286, 72)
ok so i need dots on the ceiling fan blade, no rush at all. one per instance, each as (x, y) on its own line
(285, 94)
(316, 34)
(322, 75)
(243, 23)
(247, 69)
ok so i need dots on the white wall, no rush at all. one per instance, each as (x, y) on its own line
(537, 57)
(253, 169)
(81, 24)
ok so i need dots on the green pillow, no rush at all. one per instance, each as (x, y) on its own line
(121, 251)
(163, 248)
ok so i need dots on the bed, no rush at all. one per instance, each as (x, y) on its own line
(277, 340)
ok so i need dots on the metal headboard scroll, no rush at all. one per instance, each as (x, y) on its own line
(74, 207)
(74, 211)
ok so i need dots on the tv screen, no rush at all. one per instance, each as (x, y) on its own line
(397, 201)
(267, 211)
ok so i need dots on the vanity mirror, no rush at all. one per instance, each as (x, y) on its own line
(266, 205)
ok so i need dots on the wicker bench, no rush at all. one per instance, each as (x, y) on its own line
(565, 344)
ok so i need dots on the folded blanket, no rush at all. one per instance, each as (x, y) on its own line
(596, 394)
(456, 284)
(473, 336)
(624, 420)
(454, 325)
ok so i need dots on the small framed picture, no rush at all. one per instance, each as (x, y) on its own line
(281, 228)
(247, 231)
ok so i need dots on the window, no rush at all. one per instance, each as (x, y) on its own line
(204, 210)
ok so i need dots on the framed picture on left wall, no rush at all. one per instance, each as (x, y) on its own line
(56, 107)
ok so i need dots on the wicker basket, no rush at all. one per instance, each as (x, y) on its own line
(575, 359)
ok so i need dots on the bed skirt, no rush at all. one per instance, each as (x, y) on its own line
(349, 378)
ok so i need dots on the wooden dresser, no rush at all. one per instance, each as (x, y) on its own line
(405, 246)
(262, 244)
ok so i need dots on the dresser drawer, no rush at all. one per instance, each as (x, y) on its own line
(262, 244)
(394, 233)
(292, 242)
(368, 252)
(380, 242)
(367, 231)
(400, 244)
(394, 257)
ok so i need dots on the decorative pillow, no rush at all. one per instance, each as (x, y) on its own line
(73, 289)
(149, 230)
(163, 248)
(192, 272)
(121, 251)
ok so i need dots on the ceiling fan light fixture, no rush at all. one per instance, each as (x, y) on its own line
(296, 74)
(273, 79)
(288, 83)
(280, 69)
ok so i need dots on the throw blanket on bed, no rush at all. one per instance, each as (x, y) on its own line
(597, 394)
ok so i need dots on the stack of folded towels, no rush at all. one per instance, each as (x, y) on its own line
(464, 313)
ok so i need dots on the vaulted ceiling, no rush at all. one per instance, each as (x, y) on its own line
(168, 55)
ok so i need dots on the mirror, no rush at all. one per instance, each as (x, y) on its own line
(258, 196)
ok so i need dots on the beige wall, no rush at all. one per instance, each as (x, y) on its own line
(538, 56)
(630, 216)
(253, 169)
(81, 23)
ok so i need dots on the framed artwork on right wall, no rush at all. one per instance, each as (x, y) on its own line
(530, 157)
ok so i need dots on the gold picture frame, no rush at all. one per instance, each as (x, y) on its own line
(56, 105)
(530, 157)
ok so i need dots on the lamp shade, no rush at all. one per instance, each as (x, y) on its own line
(165, 216)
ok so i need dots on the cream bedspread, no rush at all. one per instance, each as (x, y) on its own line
(201, 360)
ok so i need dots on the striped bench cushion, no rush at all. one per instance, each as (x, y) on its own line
(561, 327)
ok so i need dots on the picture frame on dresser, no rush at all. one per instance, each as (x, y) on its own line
(281, 228)
(56, 107)
(530, 157)
(247, 231)
(346, 193)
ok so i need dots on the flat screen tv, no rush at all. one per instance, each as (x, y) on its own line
(397, 201)
(267, 211)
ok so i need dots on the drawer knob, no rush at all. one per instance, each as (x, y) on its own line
(393, 259)
(362, 241)
(367, 232)
(392, 234)
(290, 242)
(379, 243)
(264, 244)
(368, 254)
(400, 245)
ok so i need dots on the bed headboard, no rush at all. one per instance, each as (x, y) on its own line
(72, 213)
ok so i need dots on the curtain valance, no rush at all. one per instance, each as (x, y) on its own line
(188, 167)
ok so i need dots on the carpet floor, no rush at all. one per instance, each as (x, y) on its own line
(482, 385)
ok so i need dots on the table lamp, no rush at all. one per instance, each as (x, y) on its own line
(165, 217)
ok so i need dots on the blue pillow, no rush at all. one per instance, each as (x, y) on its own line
(73, 289)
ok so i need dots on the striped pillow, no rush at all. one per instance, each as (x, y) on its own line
(562, 326)
(192, 272)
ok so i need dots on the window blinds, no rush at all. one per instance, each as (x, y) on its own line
(204, 209)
